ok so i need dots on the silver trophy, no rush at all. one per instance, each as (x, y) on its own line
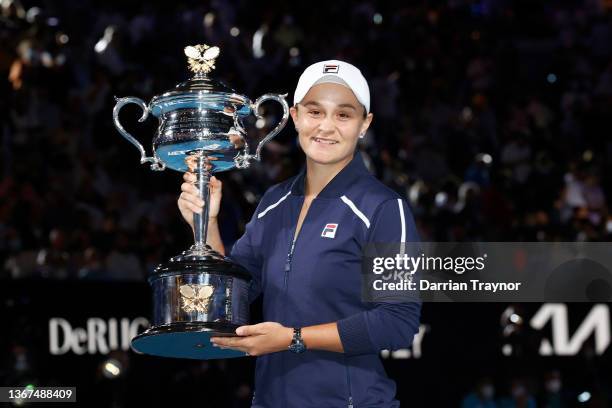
(199, 293)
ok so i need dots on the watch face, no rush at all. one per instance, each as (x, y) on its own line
(297, 347)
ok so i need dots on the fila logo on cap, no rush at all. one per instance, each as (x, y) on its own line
(329, 231)
(331, 68)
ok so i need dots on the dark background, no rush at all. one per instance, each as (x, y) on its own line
(491, 118)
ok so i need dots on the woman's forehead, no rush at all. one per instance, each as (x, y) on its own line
(330, 94)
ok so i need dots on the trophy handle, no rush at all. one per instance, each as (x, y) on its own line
(242, 161)
(156, 164)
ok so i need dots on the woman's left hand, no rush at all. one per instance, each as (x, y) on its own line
(257, 339)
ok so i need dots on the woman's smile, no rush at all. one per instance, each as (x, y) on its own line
(323, 141)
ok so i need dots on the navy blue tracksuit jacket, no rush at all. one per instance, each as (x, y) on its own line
(317, 279)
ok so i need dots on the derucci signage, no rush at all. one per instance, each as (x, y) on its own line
(97, 336)
(103, 335)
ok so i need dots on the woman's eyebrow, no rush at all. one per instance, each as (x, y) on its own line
(312, 103)
(318, 105)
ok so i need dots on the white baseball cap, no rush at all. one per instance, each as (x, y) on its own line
(337, 72)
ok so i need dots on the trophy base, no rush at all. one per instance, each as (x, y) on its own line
(186, 340)
(196, 295)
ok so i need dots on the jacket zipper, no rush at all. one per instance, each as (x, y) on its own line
(288, 261)
(348, 382)
(292, 240)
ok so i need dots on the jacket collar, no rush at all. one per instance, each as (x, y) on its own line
(340, 184)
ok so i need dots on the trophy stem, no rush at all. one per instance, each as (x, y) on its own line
(200, 221)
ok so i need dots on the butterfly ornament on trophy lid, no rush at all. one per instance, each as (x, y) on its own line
(201, 58)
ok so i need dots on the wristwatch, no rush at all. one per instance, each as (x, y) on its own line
(297, 344)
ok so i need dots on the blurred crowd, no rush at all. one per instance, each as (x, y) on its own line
(491, 117)
(526, 392)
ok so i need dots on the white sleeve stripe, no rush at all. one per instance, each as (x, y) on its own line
(403, 222)
(402, 219)
(356, 210)
(270, 207)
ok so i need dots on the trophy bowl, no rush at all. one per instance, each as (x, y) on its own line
(198, 293)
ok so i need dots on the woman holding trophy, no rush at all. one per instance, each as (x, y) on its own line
(319, 343)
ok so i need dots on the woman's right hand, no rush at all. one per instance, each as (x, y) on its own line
(189, 201)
